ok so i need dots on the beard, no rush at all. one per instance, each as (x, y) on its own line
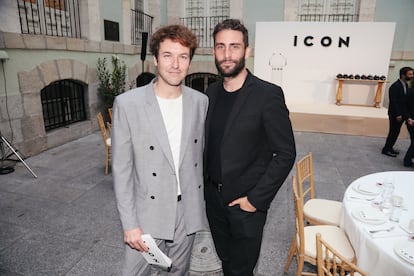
(240, 64)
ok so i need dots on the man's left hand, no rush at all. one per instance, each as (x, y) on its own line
(244, 204)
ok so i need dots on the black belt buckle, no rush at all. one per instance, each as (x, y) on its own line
(219, 187)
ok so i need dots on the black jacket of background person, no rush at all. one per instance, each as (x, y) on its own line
(396, 99)
(409, 104)
(258, 146)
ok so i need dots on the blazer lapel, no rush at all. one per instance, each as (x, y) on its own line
(212, 97)
(188, 115)
(154, 115)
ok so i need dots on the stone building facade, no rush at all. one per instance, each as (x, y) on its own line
(32, 62)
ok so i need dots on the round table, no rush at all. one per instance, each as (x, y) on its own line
(375, 252)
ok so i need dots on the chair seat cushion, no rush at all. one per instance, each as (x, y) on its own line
(323, 210)
(333, 235)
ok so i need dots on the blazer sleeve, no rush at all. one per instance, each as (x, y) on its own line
(278, 128)
(396, 98)
(122, 167)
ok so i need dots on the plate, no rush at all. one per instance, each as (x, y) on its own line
(405, 250)
(369, 215)
(368, 189)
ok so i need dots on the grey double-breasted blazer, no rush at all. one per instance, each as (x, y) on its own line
(145, 183)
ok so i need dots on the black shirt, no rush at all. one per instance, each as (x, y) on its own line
(220, 114)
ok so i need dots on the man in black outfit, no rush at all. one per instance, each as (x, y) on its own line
(249, 152)
(397, 94)
(409, 121)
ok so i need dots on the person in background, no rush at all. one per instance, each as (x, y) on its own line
(250, 150)
(409, 121)
(397, 100)
(157, 155)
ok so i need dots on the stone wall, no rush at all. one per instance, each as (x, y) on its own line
(22, 121)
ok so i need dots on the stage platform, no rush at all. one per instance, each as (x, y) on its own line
(342, 119)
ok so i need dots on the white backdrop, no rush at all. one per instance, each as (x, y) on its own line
(307, 74)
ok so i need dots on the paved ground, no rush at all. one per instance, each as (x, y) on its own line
(65, 221)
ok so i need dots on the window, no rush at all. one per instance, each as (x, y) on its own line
(200, 81)
(55, 4)
(202, 16)
(139, 5)
(207, 8)
(50, 17)
(141, 23)
(63, 104)
(329, 10)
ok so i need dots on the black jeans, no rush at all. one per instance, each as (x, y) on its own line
(237, 234)
(395, 127)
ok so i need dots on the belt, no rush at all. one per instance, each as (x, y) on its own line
(179, 198)
(218, 186)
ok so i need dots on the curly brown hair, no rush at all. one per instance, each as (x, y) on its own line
(176, 33)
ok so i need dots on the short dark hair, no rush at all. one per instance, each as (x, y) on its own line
(404, 71)
(176, 33)
(232, 24)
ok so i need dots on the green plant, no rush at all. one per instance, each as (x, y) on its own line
(112, 83)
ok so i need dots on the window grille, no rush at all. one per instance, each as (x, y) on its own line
(50, 17)
(63, 103)
(202, 16)
(329, 10)
(141, 23)
(200, 81)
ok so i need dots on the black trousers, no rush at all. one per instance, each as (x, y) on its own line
(237, 234)
(395, 127)
(410, 152)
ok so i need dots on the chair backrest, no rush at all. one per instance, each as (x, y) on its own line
(300, 224)
(110, 113)
(332, 263)
(304, 171)
(102, 127)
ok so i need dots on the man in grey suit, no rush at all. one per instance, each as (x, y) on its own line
(157, 146)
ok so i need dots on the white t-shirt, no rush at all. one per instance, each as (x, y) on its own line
(172, 113)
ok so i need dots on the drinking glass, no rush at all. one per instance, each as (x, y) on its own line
(387, 193)
(396, 208)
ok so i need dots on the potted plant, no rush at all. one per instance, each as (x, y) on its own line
(112, 83)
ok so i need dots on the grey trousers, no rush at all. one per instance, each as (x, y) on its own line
(179, 250)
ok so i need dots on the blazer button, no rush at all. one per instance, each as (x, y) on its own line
(195, 141)
(195, 165)
(154, 174)
(152, 197)
(151, 148)
(199, 186)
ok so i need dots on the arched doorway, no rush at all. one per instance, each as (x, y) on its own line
(200, 81)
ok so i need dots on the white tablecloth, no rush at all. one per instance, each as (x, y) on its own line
(375, 253)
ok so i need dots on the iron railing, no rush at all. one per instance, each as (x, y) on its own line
(46, 17)
(141, 23)
(329, 17)
(63, 103)
(203, 28)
